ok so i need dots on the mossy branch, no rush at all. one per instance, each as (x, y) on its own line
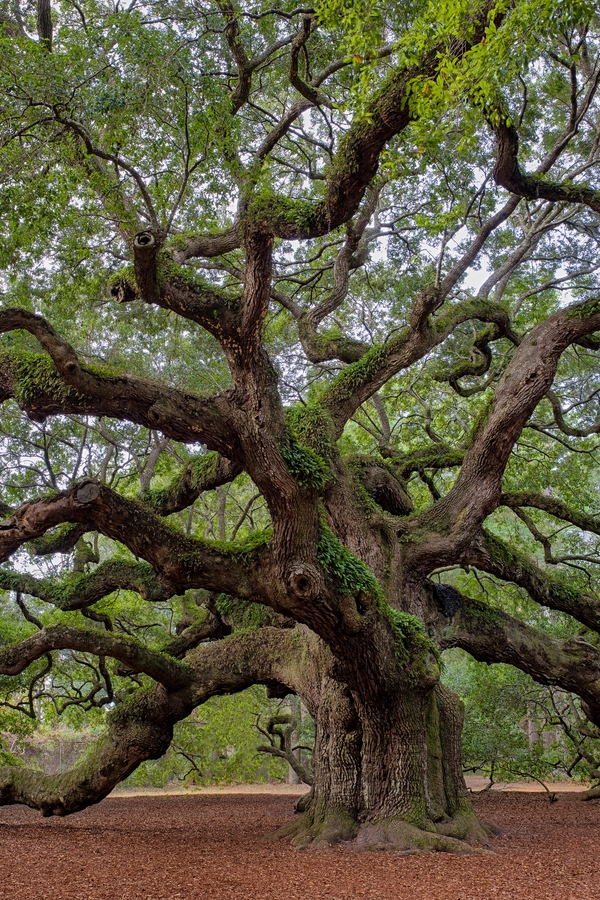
(491, 635)
(242, 568)
(58, 383)
(549, 589)
(135, 655)
(79, 591)
(203, 473)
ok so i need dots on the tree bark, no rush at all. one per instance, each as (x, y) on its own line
(387, 775)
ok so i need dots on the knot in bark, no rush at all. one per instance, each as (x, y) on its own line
(87, 492)
(304, 580)
(144, 240)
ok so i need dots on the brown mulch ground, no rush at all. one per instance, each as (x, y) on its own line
(209, 846)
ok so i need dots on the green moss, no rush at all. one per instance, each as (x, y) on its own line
(351, 576)
(279, 213)
(53, 542)
(186, 279)
(312, 426)
(584, 310)
(158, 498)
(180, 276)
(204, 468)
(356, 465)
(412, 645)
(306, 466)
(481, 419)
(244, 616)
(36, 375)
(238, 551)
(124, 282)
(356, 375)
(487, 614)
(105, 371)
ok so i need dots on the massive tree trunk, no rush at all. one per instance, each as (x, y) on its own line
(389, 779)
(387, 771)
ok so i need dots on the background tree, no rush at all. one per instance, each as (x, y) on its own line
(273, 249)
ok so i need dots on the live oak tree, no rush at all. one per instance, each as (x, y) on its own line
(335, 269)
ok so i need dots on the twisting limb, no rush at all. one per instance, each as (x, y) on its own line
(202, 474)
(357, 159)
(477, 490)
(211, 627)
(140, 728)
(307, 90)
(43, 390)
(63, 540)
(210, 245)
(181, 562)
(358, 382)
(508, 174)
(279, 731)
(438, 456)
(353, 254)
(164, 283)
(559, 418)
(491, 635)
(554, 507)
(354, 165)
(490, 554)
(135, 655)
(87, 589)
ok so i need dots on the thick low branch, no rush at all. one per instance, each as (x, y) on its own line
(142, 727)
(139, 729)
(81, 591)
(491, 635)
(135, 655)
(67, 387)
(180, 561)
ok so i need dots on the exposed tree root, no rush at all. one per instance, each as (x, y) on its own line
(397, 834)
(465, 826)
(313, 830)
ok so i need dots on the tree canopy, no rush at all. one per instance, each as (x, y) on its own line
(298, 375)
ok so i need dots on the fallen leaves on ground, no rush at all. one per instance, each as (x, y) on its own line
(211, 847)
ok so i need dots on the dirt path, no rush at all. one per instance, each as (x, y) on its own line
(208, 847)
(474, 782)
